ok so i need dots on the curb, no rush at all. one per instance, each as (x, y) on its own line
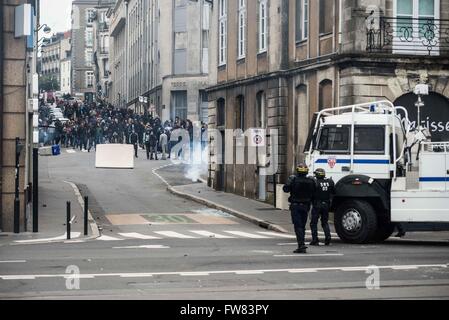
(93, 225)
(241, 215)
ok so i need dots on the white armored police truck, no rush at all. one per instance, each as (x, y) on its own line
(386, 172)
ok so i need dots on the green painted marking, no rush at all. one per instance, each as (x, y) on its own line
(169, 218)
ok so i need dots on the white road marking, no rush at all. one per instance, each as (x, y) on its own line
(322, 233)
(70, 151)
(354, 269)
(135, 275)
(402, 268)
(249, 272)
(211, 234)
(247, 235)
(172, 234)
(309, 255)
(136, 235)
(288, 244)
(73, 235)
(156, 246)
(108, 238)
(277, 234)
(257, 271)
(13, 261)
(193, 274)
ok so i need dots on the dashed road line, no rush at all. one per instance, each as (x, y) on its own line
(247, 235)
(211, 234)
(173, 234)
(135, 235)
(210, 273)
(108, 238)
(13, 261)
(156, 246)
(277, 234)
(309, 255)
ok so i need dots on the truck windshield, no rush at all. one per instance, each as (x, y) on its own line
(334, 139)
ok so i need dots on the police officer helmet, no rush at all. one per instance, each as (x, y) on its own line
(320, 173)
(302, 169)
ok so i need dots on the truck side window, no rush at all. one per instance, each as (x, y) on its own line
(369, 139)
(334, 139)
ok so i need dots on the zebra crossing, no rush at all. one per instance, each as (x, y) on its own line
(195, 234)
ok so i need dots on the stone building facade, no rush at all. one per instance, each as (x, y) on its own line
(101, 49)
(17, 70)
(318, 54)
(53, 54)
(83, 78)
(166, 58)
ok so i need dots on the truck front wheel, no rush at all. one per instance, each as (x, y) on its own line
(355, 221)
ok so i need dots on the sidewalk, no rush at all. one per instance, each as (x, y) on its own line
(260, 213)
(53, 196)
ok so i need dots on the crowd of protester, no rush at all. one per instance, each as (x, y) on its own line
(84, 126)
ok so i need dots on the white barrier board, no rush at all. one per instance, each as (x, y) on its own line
(114, 156)
(45, 151)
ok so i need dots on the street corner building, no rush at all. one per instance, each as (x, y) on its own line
(275, 63)
(18, 104)
(160, 50)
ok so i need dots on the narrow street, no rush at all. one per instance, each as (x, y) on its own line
(155, 245)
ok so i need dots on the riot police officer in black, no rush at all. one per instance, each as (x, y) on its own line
(325, 188)
(301, 189)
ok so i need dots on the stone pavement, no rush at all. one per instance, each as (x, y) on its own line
(260, 213)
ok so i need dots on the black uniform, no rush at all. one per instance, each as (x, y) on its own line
(134, 139)
(302, 189)
(325, 188)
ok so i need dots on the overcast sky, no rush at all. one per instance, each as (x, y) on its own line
(56, 14)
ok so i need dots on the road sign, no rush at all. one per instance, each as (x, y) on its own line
(257, 138)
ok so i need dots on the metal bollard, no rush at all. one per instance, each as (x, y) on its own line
(68, 220)
(86, 210)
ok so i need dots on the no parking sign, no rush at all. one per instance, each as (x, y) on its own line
(257, 138)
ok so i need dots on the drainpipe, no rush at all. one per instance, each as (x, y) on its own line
(1, 109)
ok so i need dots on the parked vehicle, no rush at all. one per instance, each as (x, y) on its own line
(385, 173)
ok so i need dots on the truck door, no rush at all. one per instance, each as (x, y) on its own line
(332, 151)
(371, 154)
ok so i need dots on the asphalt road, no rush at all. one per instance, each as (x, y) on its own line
(155, 245)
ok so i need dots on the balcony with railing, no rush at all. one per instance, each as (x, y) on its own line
(407, 36)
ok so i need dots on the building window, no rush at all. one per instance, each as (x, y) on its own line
(326, 16)
(260, 111)
(89, 57)
(242, 30)
(179, 103)
(89, 37)
(90, 16)
(325, 94)
(263, 15)
(221, 112)
(302, 20)
(240, 113)
(89, 79)
(222, 32)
